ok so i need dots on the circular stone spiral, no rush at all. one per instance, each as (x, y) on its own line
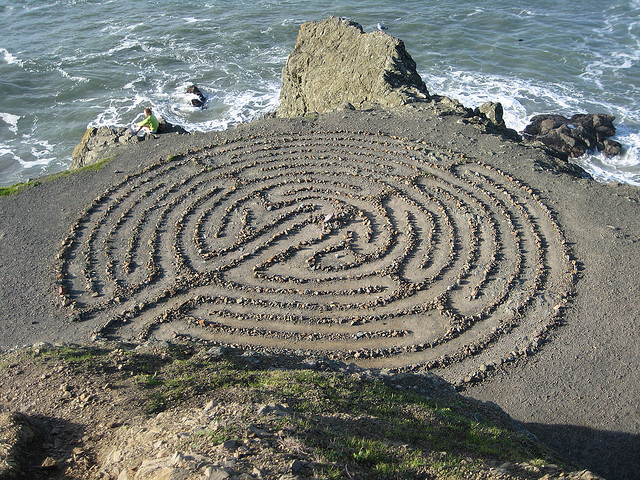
(365, 247)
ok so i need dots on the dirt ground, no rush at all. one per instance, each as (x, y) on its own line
(111, 411)
(549, 334)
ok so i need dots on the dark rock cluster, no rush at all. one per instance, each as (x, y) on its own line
(574, 136)
(198, 99)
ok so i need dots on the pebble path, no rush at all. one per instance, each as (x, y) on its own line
(368, 248)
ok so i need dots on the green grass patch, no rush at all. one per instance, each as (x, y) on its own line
(20, 187)
(15, 189)
(368, 451)
(355, 427)
(155, 402)
(387, 418)
(222, 435)
(376, 429)
(87, 168)
(75, 354)
(150, 381)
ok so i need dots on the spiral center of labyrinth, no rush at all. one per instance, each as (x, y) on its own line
(365, 247)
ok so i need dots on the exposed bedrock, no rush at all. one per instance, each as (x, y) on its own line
(576, 135)
(99, 143)
(335, 64)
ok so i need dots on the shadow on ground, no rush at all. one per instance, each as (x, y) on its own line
(61, 440)
(612, 455)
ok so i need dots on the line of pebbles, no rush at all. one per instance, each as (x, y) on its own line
(381, 239)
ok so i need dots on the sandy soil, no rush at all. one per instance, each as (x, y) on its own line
(495, 268)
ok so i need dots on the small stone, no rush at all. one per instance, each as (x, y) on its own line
(213, 473)
(289, 476)
(275, 409)
(49, 463)
(210, 404)
(297, 465)
(229, 462)
(253, 431)
(216, 351)
(230, 445)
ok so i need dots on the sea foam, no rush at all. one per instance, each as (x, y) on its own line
(106, 68)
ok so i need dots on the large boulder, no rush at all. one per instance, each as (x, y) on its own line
(335, 65)
(100, 143)
(574, 136)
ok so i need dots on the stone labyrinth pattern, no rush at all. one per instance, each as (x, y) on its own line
(364, 247)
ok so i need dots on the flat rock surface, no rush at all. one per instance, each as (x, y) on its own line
(403, 240)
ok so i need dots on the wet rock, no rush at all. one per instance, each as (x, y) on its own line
(199, 99)
(335, 64)
(574, 136)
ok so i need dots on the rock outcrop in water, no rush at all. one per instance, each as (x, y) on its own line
(99, 143)
(335, 64)
(198, 100)
(576, 135)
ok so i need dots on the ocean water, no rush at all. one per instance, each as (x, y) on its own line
(69, 64)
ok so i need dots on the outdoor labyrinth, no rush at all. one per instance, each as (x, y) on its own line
(365, 247)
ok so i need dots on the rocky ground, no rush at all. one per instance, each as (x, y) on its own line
(561, 355)
(151, 412)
